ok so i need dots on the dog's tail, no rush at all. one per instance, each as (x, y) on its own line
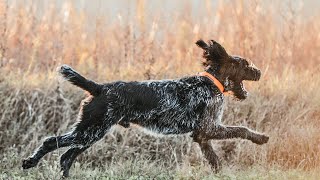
(75, 78)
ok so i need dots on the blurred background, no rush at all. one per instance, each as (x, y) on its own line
(139, 40)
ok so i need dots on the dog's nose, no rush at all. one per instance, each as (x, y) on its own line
(257, 75)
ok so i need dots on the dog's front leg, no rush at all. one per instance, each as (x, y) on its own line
(228, 132)
(208, 152)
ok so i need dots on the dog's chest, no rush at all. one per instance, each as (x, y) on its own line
(213, 113)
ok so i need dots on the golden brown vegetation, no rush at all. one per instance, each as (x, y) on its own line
(277, 37)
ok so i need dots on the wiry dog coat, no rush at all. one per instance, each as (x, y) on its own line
(190, 104)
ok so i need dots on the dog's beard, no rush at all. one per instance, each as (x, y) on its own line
(238, 90)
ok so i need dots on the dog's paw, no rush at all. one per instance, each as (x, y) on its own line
(29, 163)
(64, 68)
(262, 139)
(65, 174)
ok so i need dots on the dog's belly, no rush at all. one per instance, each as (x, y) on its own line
(156, 130)
(160, 132)
(166, 126)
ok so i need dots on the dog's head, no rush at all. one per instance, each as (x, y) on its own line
(231, 70)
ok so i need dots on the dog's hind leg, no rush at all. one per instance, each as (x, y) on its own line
(86, 136)
(49, 144)
(68, 157)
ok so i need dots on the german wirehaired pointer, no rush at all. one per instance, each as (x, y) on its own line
(191, 104)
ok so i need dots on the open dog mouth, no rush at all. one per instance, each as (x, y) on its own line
(237, 90)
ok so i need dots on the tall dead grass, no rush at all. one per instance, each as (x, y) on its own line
(282, 41)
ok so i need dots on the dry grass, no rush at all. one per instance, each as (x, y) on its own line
(285, 104)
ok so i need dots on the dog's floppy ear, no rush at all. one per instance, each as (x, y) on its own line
(217, 50)
(202, 44)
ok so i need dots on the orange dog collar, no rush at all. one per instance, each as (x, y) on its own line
(214, 80)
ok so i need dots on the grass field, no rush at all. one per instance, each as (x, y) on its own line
(285, 104)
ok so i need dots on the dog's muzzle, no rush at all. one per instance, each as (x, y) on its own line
(252, 75)
(257, 75)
